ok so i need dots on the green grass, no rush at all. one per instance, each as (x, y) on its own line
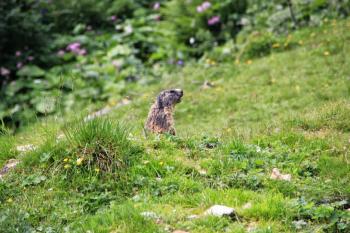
(288, 110)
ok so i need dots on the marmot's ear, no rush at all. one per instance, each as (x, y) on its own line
(160, 101)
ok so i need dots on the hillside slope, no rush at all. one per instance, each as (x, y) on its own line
(289, 110)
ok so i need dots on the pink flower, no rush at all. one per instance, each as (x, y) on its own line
(60, 53)
(19, 65)
(203, 7)
(30, 58)
(18, 53)
(156, 6)
(73, 47)
(81, 52)
(4, 71)
(214, 20)
(200, 9)
(206, 5)
(113, 18)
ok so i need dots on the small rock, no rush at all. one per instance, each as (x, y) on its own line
(207, 85)
(180, 231)
(300, 224)
(60, 137)
(12, 163)
(252, 226)
(150, 214)
(247, 206)
(193, 216)
(159, 179)
(277, 175)
(202, 172)
(220, 211)
(25, 148)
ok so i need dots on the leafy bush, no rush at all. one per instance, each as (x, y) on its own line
(198, 26)
(59, 55)
(277, 17)
(23, 36)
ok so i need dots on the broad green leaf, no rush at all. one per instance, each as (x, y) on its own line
(31, 71)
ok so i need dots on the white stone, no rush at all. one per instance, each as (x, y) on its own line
(149, 214)
(220, 210)
(193, 216)
(247, 206)
(12, 163)
(25, 148)
(277, 175)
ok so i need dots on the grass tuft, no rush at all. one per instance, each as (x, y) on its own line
(101, 145)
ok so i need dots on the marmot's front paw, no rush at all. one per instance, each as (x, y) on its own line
(172, 131)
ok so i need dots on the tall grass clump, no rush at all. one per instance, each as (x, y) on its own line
(100, 145)
(332, 116)
(7, 145)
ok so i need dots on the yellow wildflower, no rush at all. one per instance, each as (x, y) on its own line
(97, 170)
(112, 102)
(66, 166)
(79, 161)
(10, 200)
(161, 163)
(65, 160)
(249, 62)
(276, 45)
(326, 53)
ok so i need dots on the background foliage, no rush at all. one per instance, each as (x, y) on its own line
(56, 55)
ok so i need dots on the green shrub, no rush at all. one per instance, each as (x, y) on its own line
(23, 36)
(198, 26)
(276, 15)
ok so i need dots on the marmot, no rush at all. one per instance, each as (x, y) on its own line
(160, 117)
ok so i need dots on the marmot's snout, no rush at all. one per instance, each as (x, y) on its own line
(179, 94)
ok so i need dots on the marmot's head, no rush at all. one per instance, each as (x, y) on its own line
(169, 98)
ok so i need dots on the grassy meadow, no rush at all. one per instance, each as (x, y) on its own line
(288, 110)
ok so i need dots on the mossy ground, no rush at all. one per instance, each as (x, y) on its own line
(288, 110)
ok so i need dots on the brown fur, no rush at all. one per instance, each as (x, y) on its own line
(160, 117)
